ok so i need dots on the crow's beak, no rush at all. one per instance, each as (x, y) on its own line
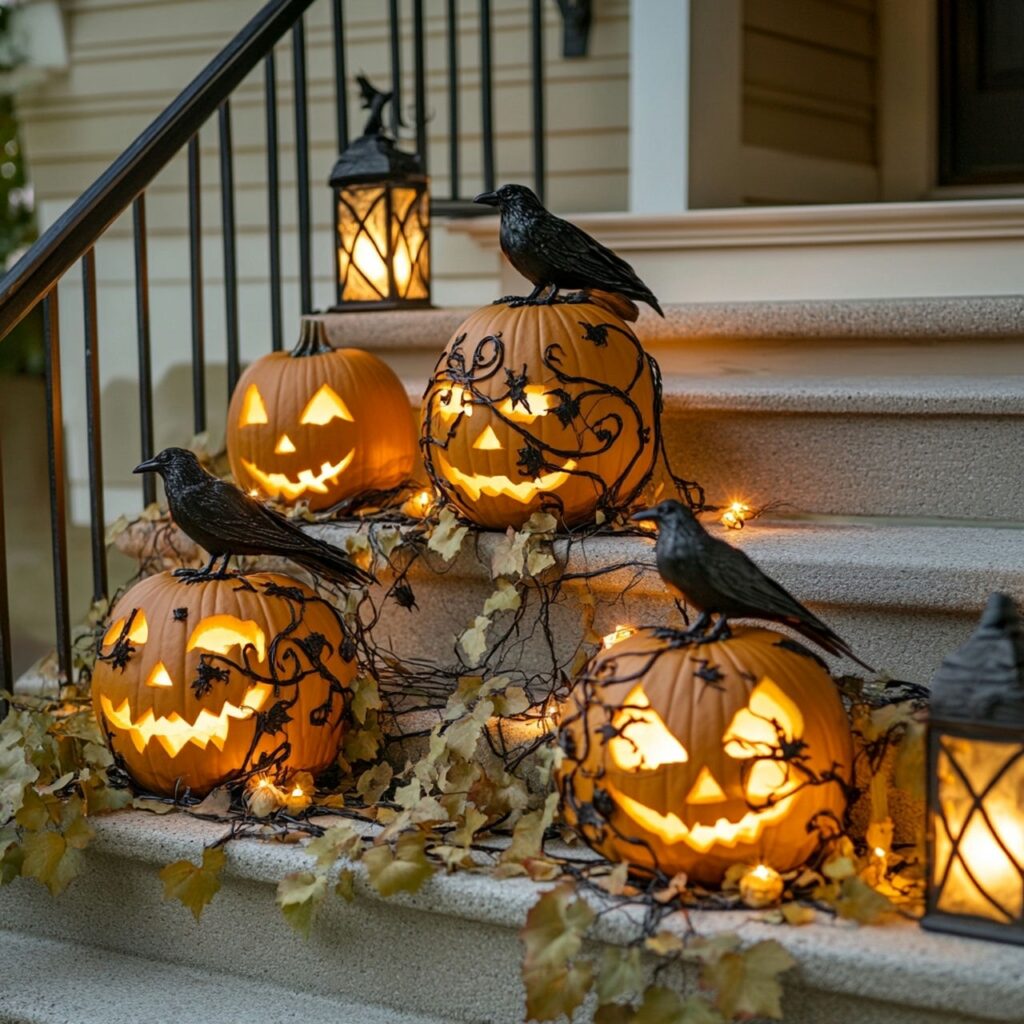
(149, 466)
(487, 199)
(651, 514)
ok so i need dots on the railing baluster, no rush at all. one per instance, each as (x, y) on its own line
(97, 519)
(453, 98)
(395, 27)
(420, 80)
(302, 165)
(340, 74)
(227, 204)
(486, 95)
(537, 54)
(273, 201)
(58, 507)
(195, 249)
(142, 337)
(6, 675)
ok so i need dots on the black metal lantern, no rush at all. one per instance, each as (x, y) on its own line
(381, 219)
(976, 783)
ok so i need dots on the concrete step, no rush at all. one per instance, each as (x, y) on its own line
(450, 952)
(834, 251)
(50, 981)
(897, 407)
(902, 595)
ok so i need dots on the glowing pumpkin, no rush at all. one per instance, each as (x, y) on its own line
(691, 757)
(319, 424)
(198, 683)
(540, 408)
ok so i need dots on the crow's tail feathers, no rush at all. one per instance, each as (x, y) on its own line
(829, 641)
(325, 560)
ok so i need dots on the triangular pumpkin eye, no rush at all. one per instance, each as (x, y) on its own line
(643, 741)
(324, 406)
(253, 409)
(759, 729)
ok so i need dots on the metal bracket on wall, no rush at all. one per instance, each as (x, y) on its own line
(576, 16)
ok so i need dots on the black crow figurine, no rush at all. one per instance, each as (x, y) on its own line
(718, 579)
(226, 521)
(552, 253)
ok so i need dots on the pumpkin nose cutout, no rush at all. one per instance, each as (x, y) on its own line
(284, 446)
(159, 676)
(706, 789)
(488, 441)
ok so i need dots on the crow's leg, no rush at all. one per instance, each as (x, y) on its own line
(700, 625)
(191, 575)
(552, 296)
(222, 573)
(521, 300)
(721, 630)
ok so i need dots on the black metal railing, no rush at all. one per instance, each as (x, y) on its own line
(73, 237)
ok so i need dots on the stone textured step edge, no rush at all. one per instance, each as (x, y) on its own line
(988, 317)
(897, 963)
(46, 981)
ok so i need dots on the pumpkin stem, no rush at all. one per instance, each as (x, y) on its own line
(312, 339)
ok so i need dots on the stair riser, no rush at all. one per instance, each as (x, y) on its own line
(954, 466)
(392, 953)
(906, 642)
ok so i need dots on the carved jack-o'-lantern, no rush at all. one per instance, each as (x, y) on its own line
(540, 408)
(199, 682)
(691, 757)
(319, 424)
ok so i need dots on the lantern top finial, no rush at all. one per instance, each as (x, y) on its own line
(983, 681)
(374, 156)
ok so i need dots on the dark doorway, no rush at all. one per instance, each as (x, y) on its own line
(981, 97)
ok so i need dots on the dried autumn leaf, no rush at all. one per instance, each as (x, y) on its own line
(194, 885)
(509, 554)
(528, 834)
(50, 859)
(746, 982)
(538, 560)
(664, 1006)
(365, 697)
(620, 974)
(664, 943)
(447, 536)
(373, 782)
(473, 641)
(552, 937)
(403, 871)
(540, 523)
(505, 598)
(298, 896)
(346, 885)
(859, 902)
(797, 913)
(338, 841)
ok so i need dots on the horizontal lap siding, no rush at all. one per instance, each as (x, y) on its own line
(810, 81)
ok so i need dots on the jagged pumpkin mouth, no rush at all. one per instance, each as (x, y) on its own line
(173, 732)
(500, 486)
(276, 485)
(669, 828)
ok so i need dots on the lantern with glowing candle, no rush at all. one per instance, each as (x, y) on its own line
(688, 757)
(381, 219)
(976, 781)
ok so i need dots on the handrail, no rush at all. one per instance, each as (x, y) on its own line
(77, 229)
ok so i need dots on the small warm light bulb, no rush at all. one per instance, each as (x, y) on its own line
(880, 853)
(253, 492)
(735, 515)
(761, 886)
(617, 635)
(419, 504)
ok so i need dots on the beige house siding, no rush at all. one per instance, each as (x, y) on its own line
(810, 86)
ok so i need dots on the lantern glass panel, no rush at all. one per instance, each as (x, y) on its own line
(409, 229)
(363, 243)
(978, 863)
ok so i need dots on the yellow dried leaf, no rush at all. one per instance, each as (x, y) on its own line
(194, 885)
(298, 896)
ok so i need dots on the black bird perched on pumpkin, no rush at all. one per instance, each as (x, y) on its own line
(552, 253)
(718, 579)
(226, 521)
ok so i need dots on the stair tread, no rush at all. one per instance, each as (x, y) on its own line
(46, 981)
(895, 963)
(878, 563)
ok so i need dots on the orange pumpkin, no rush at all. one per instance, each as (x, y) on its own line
(319, 424)
(692, 757)
(198, 683)
(541, 407)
